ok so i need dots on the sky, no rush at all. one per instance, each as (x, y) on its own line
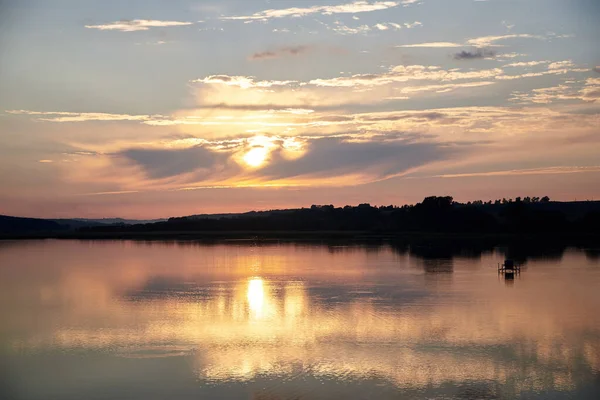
(153, 108)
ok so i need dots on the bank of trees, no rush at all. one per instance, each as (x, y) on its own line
(433, 214)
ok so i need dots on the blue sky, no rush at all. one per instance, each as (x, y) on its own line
(157, 108)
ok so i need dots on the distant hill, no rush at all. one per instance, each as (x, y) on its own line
(114, 221)
(21, 225)
(244, 214)
(27, 225)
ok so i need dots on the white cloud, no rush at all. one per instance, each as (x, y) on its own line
(527, 75)
(346, 30)
(403, 73)
(342, 29)
(589, 92)
(545, 95)
(349, 8)
(554, 68)
(510, 55)
(526, 64)
(489, 41)
(413, 25)
(397, 74)
(136, 25)
(62, 116)
(444, 88)
(561, 65)
(244, 82)
(484, 41)
(433, 44)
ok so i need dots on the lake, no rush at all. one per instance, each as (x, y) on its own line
(254, 320)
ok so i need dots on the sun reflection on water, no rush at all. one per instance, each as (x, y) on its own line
(256, 297)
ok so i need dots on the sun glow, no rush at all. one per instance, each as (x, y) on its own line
(256, 156)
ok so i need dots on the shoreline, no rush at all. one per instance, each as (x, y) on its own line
(562, 238)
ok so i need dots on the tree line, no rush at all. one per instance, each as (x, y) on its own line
(434, 214)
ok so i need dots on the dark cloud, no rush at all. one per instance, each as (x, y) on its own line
(336, 118)
(429, 116)
(592, 94)
(474, 55)
(597, 69)
(280, 52)
(379, 156)
(164, 163)
(331, 157)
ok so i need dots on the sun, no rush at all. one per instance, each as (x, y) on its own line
(256, 156)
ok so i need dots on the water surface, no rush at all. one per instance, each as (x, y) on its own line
(136, 320)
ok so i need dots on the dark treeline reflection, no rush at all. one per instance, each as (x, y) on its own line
(436, 253)
(434, 214)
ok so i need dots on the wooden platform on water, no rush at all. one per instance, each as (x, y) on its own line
(509, 267)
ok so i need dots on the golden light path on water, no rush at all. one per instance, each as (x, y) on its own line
(243, 313)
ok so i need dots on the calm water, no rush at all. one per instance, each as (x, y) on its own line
(133, 320)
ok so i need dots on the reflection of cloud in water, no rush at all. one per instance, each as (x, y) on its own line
(305, 312)
(256, 327)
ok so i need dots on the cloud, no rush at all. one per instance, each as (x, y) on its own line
(553, 68)
(136, 25)
(530, 171)
(526, 64)
(288, 160)
(229, 105)
(342, 29)
(474, 55)
(546, 95)
(331, 158)
(243, 82)
(349, 8)
(488, 41)
(591, 90)
(596, 69)
(560, 65)
(403, 73)
(335, 148)
(63, 116)
(281, 52)
(346, 30)
(164, 163)
(444, 88)
(413, 25)
(433, 45)
(511, 55)
(484, 41)
(116, 192)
